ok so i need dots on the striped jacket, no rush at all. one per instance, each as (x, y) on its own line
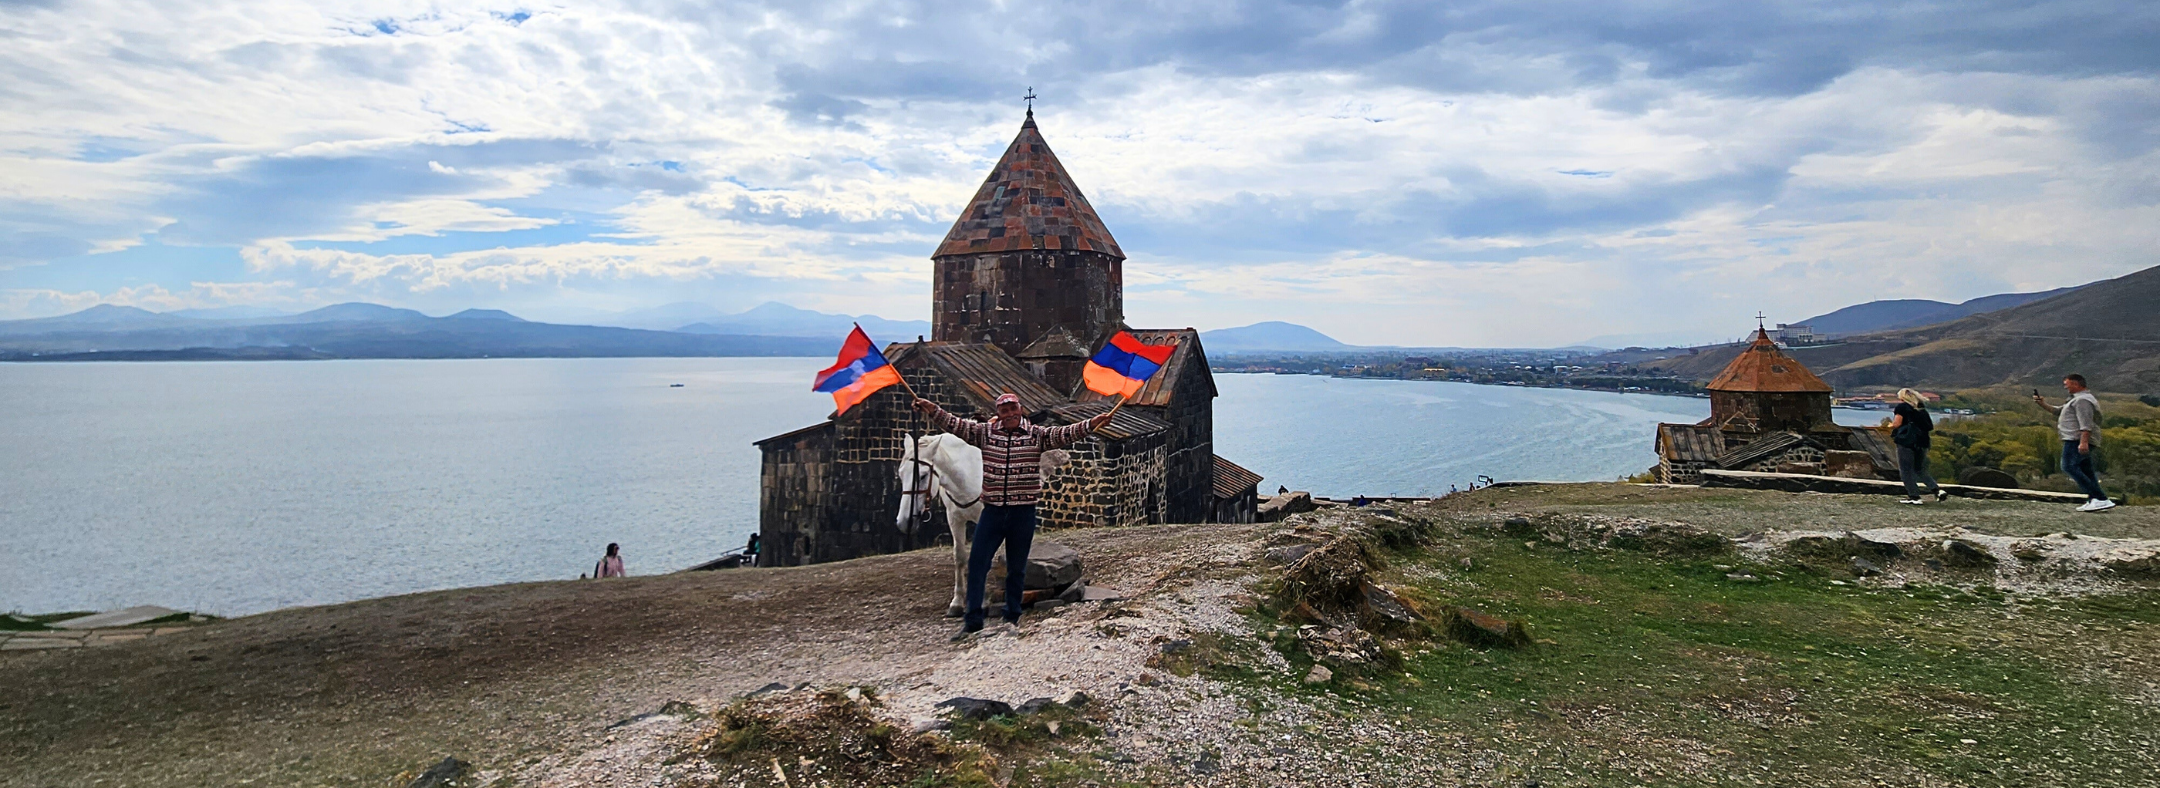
(1012, 459)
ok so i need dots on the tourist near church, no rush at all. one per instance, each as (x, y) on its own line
(2078, 424)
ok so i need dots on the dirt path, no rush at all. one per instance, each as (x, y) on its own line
(525, 677)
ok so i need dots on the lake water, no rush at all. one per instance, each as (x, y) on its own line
(234, 488)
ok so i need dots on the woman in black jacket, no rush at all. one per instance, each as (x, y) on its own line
(1910, 426)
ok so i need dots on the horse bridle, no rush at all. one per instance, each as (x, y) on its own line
(929, 482)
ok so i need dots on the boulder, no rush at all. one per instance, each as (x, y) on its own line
(1288, 554)
(1977, 476)
(975, 708)
(2133, 561)
(1075, 592)
(1276, 507)
(1050, 566)
(1388, 607)
(1849, 544)
(1034, 705)
(1319, 675)
(1961, 553)
(1479, 629)
(1862, 567)
(447, 773)
(2030, 549)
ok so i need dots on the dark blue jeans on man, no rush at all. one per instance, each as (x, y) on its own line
(2078, 466)
(1013, 527)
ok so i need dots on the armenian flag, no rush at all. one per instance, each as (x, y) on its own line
(858, 373)
(1124, 365)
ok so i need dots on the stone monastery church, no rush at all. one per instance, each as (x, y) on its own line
(1769, 413)
(1026, 287)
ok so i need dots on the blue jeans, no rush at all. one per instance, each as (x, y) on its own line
(1014, 527)
(1912, 469)
(2078, 466)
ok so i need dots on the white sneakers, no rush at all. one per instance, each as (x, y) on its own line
(2097, 505)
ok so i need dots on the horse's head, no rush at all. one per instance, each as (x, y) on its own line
(916, 478)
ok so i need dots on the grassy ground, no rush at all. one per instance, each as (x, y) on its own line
(1663, 670)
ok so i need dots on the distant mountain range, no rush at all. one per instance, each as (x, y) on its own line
(1271, 336)
(2108, 331)
(768, 319)
(1886, 315)
(359, 330)
(1914, 312)
(776, 319)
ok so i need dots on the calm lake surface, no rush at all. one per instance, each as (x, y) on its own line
(239, 487)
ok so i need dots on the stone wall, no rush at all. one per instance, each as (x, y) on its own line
(1671, 472)
(1189, 472)
(1107, 483)
(1795, 456)
(1755, 412)
(1012, 298)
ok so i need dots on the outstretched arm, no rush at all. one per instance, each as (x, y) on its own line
(964, 429)
(1061, 437)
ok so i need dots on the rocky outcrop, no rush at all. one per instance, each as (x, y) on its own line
(1275, 508)
(1050, 567)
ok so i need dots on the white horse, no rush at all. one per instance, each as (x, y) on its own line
(946, 468)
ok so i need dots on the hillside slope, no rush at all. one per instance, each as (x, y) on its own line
(2109, 331)
(1893, 315)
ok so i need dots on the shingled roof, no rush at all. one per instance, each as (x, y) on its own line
(981, 371)
(1128, 423)
(1028, 202)
(1231, 479)
(1764, 368)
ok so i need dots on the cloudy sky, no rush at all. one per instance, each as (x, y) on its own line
(1401, 173)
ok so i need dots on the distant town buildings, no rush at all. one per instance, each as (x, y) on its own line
(1790, 335)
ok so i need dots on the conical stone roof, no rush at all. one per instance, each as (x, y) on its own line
(1028, 202)
(1764, 368)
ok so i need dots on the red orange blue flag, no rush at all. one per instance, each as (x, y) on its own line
(859, 372)
(1123, 365)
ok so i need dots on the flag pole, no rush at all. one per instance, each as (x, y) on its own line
(903, 378)
(1120, 403)
(896, 371)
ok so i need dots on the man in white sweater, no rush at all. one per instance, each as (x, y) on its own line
(2077, 422)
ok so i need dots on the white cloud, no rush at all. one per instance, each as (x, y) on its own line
(1497, 174)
